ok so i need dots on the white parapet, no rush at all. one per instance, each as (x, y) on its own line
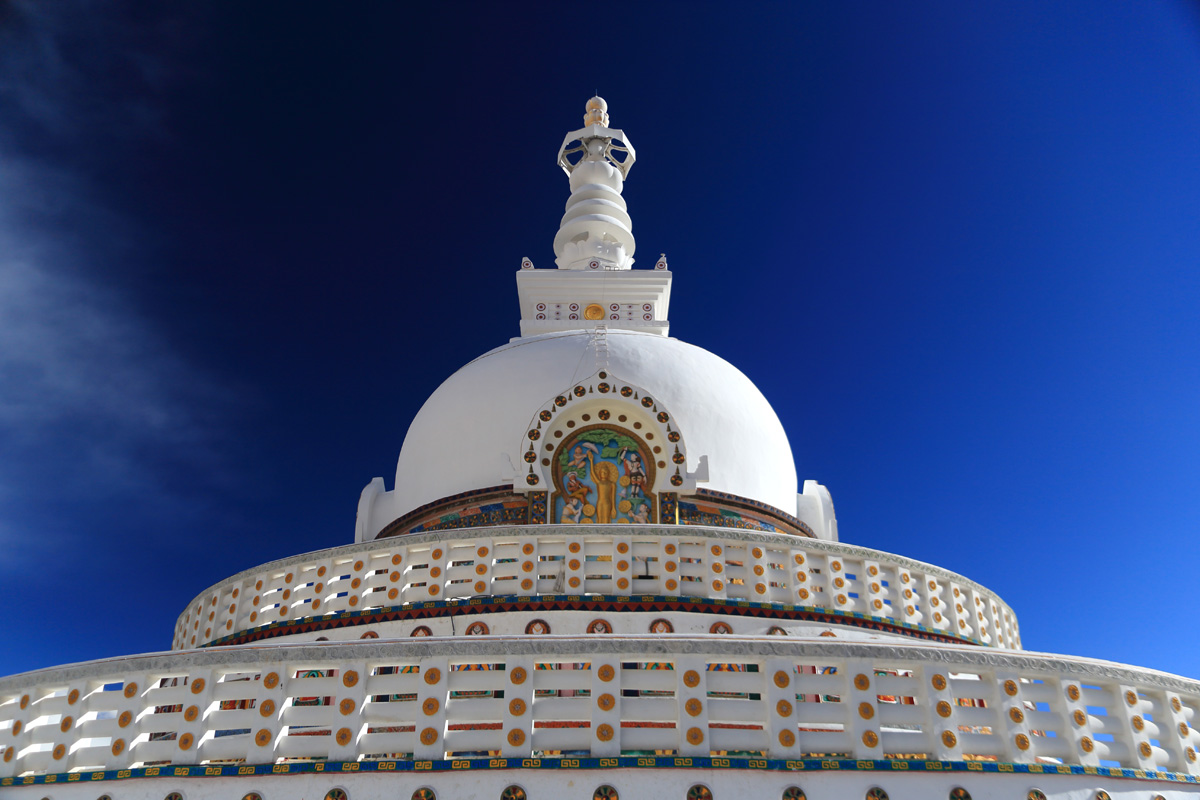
(674, 561)
(597, 696)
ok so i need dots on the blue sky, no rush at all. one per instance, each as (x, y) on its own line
(955, 245)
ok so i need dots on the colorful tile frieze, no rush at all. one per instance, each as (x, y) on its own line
(716, 517)
(766, 515)
(592, 602)
(668, 508)
(446, 508)
(612, 486)
(588, 762)
(537, 508)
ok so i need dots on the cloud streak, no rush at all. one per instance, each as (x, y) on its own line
(94, 402)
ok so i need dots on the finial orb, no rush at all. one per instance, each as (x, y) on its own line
(597, 112)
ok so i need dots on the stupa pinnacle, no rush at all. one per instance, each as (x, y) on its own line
(596, 232)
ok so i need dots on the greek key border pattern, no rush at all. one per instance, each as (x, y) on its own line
(621, 762)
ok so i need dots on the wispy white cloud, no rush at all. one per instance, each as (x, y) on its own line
(94, 401)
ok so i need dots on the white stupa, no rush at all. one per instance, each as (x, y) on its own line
(595, 576)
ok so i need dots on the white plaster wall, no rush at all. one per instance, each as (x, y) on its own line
(456, 442)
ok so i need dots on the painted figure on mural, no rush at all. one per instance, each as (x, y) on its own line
(604, 475)
(642, 515)
(576, 489)
(635, 472)
(581, 454)
(571, 510)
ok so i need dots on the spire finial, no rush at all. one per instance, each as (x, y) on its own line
(597, 112)
(596, 232)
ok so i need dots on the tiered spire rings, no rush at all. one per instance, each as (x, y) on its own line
(596, 232)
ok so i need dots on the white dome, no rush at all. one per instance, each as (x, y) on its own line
(459, 439)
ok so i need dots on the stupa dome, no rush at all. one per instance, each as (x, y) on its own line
(460, 439)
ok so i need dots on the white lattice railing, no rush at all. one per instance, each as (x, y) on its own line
(577, 560)
(601, 696)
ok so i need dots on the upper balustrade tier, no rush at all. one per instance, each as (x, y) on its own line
(545, 567)
(549, 696)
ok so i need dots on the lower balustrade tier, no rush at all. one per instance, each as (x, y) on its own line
(606, 697)
(424, 573)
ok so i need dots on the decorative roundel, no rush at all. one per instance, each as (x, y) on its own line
(605, 793)
(699, 792)
(478, 629)
(599, 626)
(676, 480)
(541, 316)
(421, 630)
(532, 479)
(574, 306)
(678, 458)
(541, 306)
(573, 316)
(661, 626)
(775, 630)
(530, 456)
(537, 626)
(604, 412)
(648, 317)
(560, 401)
(603, 388)
(626, 391)
(959, 793)
(579, 391)
(614, 316)
(673, 436)
(647, 402)
(593, 265)
(720, 627)
(662, 416)
(534, 435)
(424, 793)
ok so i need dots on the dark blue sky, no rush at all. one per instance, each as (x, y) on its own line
(956, 245)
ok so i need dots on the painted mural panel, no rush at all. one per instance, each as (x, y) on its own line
(602, 477)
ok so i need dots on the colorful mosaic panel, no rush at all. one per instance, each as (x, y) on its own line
(601, 476)
(697, 513)
(902, 766)
(669, 509)
(513, 511)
